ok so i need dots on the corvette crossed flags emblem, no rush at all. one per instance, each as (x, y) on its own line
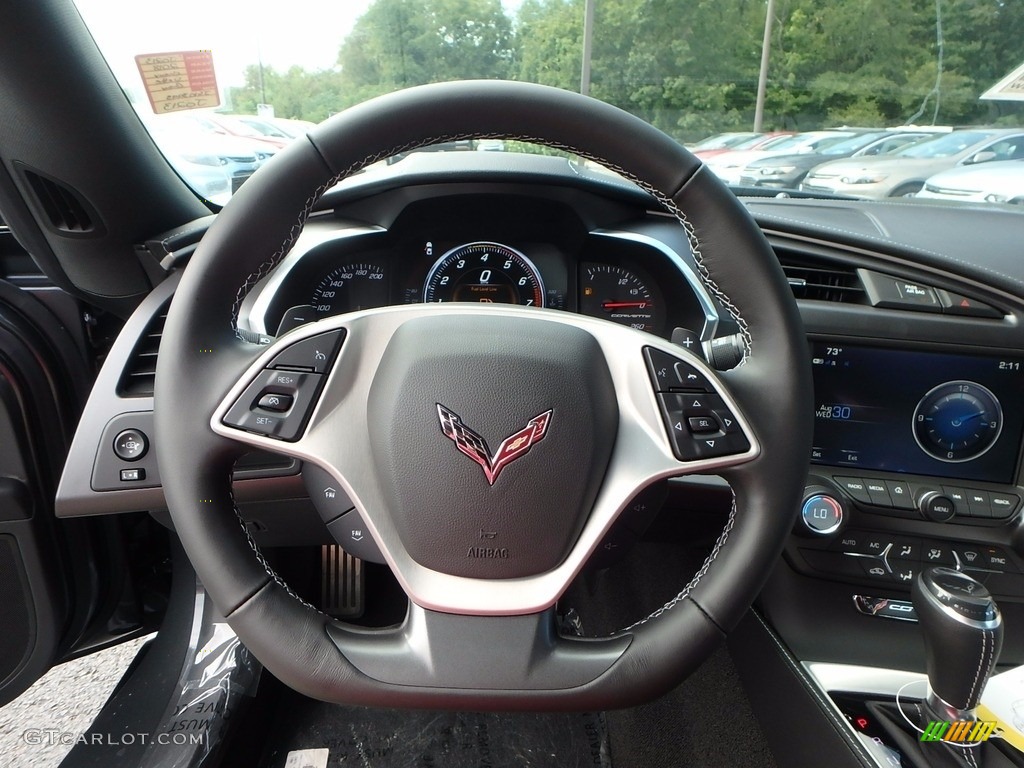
(474, 446)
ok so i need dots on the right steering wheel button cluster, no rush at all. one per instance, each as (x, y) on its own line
(279, 401)
(699, 423)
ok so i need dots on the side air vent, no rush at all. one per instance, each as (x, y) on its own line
(64, 209)
(820, 281)
(140, 372)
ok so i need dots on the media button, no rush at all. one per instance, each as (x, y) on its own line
(878, 493)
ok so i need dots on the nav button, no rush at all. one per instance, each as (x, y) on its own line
(900, 494)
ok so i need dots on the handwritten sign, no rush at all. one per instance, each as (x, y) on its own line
(179, 80)
(1010, 88)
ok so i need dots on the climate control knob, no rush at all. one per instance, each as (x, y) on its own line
(822, 513)
(935, 506)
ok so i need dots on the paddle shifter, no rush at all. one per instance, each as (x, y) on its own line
(963, 632)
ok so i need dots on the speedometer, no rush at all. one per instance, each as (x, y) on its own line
(350, 288)
(487, 273)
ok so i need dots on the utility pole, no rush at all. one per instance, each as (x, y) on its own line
(588, 39)
(762, 78)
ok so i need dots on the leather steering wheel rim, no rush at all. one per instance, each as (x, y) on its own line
(202, 357)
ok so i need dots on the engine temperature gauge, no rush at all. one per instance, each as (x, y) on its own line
(620, 295)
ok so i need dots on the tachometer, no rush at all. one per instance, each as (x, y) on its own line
(620, 295)
(488, 273)
(350, 288)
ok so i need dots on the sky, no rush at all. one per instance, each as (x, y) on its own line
(281, 33)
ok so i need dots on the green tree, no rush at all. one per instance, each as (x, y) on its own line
(295, 93)
(399, 43)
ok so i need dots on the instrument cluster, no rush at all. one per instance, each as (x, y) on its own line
(616, 275)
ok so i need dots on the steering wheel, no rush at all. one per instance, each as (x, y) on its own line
(402, 407)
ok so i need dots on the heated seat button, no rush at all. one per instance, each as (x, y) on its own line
(313, 354)
(131, 444)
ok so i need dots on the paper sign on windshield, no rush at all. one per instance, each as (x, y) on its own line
(179, 80)
(1010, 88)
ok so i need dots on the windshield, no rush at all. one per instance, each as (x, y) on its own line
(849, 146)
(945, 146)
(727, 140)
(693, 69)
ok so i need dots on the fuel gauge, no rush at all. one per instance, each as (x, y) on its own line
(620, 295)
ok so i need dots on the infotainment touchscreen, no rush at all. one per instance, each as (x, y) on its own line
(923, 413)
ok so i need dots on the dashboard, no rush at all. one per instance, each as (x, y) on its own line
(915, 335)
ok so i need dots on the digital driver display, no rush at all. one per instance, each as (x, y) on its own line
(923, 413)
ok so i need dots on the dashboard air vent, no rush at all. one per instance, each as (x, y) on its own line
(65, 210)
(820, 281)
(140, 372)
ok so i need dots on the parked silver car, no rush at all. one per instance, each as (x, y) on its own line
(904, 172)
(995, 182)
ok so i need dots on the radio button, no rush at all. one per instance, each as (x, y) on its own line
(900, 494)
(855, 487)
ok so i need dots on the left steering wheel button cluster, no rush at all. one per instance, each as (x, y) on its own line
(278, 403)
(315, 354)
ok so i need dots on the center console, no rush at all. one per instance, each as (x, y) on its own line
(916, 462)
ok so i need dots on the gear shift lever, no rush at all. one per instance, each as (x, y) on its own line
(963, 632)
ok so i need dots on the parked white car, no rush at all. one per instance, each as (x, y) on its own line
(995, 182)
(729, 166)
